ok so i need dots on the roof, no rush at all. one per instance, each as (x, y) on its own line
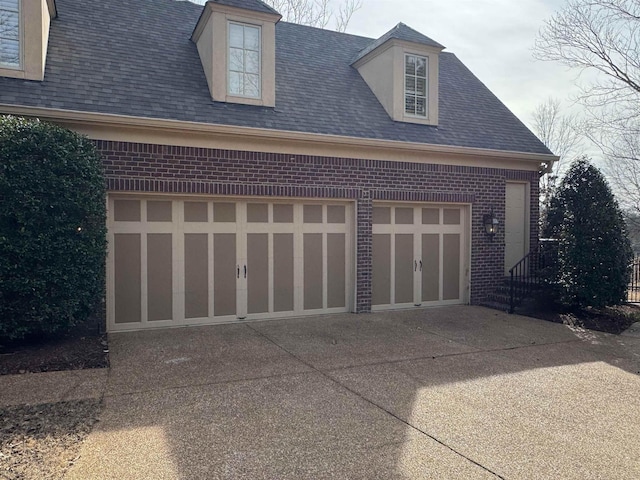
(399, 32)
(255, 5)
(142, 63)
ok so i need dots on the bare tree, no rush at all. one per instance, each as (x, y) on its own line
(315, 13)
(561, 134)
(603, 37)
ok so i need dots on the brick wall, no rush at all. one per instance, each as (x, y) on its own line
(157, 168)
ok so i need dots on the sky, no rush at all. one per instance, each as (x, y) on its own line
(493, 38)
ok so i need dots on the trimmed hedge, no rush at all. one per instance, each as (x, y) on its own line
(594, 252)
(52, 228)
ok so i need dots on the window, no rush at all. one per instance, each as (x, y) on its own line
(244, 60)
(9, 33)
(415, 85)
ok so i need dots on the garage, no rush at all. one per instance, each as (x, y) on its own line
(188, 261)
(420, 255)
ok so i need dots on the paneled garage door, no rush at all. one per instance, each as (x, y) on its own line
(196, 261)
(420, 255)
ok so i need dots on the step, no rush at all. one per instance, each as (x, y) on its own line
(495, 305)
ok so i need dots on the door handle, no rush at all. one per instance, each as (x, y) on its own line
(245, 271)
(415, 266)
(420, 265)
(238, 267)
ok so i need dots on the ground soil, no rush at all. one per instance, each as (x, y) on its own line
(43, 441)
(80, 348)
(608, 319)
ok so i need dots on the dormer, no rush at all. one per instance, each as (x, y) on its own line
(236, 41)
(24, 37)
(401, 69)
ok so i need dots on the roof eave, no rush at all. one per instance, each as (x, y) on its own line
(106, 120)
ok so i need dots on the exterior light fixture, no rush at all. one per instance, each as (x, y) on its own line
(490, 223)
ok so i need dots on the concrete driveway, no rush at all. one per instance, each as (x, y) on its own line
(459, 392)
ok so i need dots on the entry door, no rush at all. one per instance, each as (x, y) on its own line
(419, 256)
(515, 224)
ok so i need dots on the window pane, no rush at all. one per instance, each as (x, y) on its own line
(421, 106)
(8, 25)
(235, 83)
(252, 85)
(252, 38)
(235, 35)
(410, 84)
(9, 52)
(410, 65)
(252, 60)
(9, 5)
(410, 104)
(421, 66)
(236, 59)
(421, 87)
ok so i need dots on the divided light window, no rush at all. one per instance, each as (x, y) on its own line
(244, 60)
(415, 85)
(9, 33)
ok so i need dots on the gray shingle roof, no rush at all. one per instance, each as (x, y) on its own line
(255, 5)
(399, 32)
(135, 58)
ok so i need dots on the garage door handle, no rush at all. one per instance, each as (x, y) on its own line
(420, 265)
(245, 271)
(238, 267)
(415, 266)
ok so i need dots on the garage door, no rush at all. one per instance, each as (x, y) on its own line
(420, 255)
(197, 261)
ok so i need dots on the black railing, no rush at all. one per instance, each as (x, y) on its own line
(528, 274)
(633, 288)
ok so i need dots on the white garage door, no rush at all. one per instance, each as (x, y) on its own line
(420, 255)
(197, 261)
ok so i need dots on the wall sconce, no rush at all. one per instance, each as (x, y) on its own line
(490, 223)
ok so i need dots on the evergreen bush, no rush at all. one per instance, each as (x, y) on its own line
(594, 252)
(52, 228)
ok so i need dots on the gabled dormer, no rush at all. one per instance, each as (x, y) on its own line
(24, 37)
(236, 40)
(401, 69)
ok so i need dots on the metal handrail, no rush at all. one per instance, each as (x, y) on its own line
(525, 275)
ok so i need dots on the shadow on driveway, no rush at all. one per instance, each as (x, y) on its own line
(456, 392)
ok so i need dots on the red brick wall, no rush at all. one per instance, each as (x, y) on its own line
(157, 168)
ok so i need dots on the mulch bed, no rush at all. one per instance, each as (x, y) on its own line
(608, 319)
(43, 441)
(81, 348)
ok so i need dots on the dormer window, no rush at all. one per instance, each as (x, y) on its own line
(244, 60)
(236, 41)
(401, 69)
(415, 82)
(10, 33)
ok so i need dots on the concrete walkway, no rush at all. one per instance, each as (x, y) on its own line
(458, 392)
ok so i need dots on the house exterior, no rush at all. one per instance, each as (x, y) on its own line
(262, 169)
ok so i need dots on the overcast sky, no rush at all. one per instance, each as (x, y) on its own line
(493, 38)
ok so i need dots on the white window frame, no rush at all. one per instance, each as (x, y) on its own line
(414, 94)
(20, 46)
(244, 25)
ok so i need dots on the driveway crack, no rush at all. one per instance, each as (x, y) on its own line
(369, 401)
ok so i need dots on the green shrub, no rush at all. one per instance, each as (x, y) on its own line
(52, 228)
(594, 252)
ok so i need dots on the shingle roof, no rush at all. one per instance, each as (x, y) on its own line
(399, 32)
(255, 5)
(135, 58)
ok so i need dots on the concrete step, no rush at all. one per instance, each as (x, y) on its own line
(503, 307)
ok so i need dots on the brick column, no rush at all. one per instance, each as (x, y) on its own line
(364, 253)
